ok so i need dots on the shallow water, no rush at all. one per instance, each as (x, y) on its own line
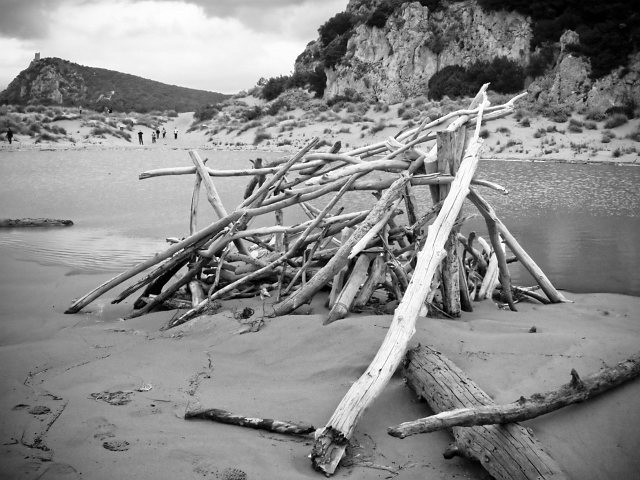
(578, 222)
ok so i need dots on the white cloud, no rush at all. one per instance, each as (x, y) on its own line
(176, 42)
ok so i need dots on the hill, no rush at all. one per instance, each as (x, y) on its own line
(53, 81)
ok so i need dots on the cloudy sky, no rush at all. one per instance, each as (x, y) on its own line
(216, 45)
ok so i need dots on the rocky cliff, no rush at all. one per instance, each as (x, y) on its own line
(394, 61)
(568, 81)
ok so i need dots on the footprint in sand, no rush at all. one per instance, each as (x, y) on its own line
(232, 474)
(205, 467)
(39, 410)
(116, 445)
(105, 429)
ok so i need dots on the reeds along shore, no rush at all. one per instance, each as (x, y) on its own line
(421, 261)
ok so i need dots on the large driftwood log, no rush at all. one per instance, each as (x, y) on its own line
(576, 391)
(508, 451)
(34, 222)
(276, 426)
(331, 441)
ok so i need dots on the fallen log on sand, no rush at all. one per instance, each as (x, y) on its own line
(34, 222)
(576, 391)
(509, 451)
(268, 424)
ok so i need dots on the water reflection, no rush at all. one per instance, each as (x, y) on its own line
(578, 222)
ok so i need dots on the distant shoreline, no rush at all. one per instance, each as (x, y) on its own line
(250, 148)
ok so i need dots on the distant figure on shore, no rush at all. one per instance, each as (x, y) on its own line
(80, 109)
(158, 133)
(153, 137)
(9, 135)
(175, 133)
(164, 132)
(140, 137)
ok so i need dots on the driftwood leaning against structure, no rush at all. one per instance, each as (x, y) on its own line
(420, 259)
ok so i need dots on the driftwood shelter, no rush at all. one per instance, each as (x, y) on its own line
(417, 256)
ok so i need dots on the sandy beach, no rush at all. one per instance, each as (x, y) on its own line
(59, 369)
(537, 138)
(89, 396)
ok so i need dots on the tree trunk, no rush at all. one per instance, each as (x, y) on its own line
(508, 451)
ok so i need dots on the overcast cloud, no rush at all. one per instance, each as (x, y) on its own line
(218, 45)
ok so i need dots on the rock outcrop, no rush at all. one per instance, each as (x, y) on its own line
(395, 62)
(569, 83)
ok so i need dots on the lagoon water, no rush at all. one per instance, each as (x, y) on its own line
(580, 223)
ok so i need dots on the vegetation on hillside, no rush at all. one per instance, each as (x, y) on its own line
(98, 88)
(41, 123)
(505, 76)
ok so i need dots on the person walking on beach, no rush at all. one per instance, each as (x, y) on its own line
(140, 137)
(158, 133)
(9, 135)
(175, 133)
(153, 137)
(164, 132)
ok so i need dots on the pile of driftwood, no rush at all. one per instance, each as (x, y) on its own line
(416, 256)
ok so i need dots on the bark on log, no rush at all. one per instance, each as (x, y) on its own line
(490, 278)
(339, 278)
(450, 145)
(547, 287)
(576, 391)
(276, 426)
(331, 442)
(34, 222)
(507, 451)
(465, 300)
(376, 276)
(155, 287)
(195, 201)
(170, 290)
(345, 300)
(197, 294)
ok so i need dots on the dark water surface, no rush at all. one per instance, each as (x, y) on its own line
(580, 223)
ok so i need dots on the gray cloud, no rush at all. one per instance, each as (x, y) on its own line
(263, 15)
(234, 8)
(30, 19)
(25, 18)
